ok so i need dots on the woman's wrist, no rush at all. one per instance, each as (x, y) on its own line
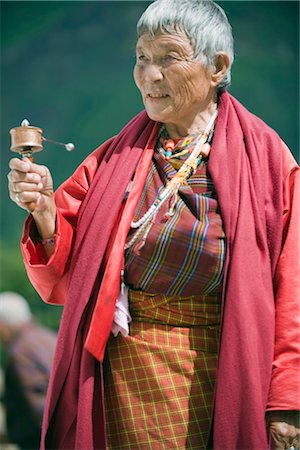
(46, 224)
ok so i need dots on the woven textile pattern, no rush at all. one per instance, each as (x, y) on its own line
(160, 383)
(160, 379)
(159, 387)
(185, 254)
(190, 311)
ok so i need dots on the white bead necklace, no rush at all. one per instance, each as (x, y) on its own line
(143, 225)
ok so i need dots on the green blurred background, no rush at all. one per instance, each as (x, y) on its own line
(67, 67)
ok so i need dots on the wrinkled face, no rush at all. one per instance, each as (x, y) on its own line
(174, 86)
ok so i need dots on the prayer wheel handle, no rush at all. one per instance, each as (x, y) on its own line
(27, 140)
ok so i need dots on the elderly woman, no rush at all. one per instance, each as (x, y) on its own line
(187, 216)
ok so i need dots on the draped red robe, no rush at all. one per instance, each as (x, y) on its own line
(249, 171)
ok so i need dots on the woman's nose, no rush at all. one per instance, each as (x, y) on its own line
(153, 72)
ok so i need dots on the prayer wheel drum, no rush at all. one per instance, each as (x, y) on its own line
(26, 139)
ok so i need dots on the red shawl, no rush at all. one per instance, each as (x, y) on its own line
(245, 164)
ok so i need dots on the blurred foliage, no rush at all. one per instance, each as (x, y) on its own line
(67, 67)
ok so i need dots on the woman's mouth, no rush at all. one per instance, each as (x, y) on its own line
(156, 95)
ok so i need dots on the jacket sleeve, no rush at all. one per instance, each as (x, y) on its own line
(285, 383)
(50, 278)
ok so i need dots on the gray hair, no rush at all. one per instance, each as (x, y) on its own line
(14, 309)
(203, 21)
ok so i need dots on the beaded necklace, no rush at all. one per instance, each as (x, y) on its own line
(170, 190)
(176, 151)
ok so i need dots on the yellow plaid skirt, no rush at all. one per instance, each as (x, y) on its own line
(159, 381)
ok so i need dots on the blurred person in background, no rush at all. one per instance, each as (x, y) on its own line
(29, 350)
(186, 223)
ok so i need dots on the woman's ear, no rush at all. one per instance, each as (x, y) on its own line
(222, 63)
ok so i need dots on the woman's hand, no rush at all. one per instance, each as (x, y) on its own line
(29, 182)
(284, 430)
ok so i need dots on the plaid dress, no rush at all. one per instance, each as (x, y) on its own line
(159, 382)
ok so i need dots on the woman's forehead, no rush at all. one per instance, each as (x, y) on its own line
(164, 41)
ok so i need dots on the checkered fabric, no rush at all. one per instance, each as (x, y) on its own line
(160, 379)
(159, 382)
(175, 310)
(185, 254)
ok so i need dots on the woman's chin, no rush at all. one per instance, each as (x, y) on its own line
(157, 116)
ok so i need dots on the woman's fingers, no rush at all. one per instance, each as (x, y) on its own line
(29, 182)
(284, 429)
(21, 165)
(26, 186)
(284, 436)
(25, 196)
(17, 176)
(25, 170)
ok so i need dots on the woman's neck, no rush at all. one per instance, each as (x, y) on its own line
(194, 126)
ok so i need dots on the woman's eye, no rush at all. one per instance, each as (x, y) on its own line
(169, 58)
(141, 57)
